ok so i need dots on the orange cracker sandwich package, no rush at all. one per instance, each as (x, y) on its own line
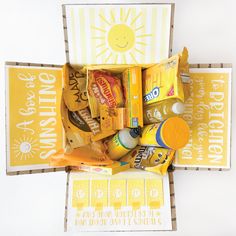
(74, 92)
(104, 88)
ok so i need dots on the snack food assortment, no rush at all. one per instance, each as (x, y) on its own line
(104, 109)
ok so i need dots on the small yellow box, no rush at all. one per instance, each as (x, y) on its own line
(132, 84)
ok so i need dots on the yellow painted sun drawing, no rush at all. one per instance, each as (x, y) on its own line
(120, 37)
(25, 148)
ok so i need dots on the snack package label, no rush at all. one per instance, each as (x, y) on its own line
(117, 146)
(208, 113)
(34, 122)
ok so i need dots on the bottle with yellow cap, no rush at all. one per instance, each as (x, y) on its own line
(172, 133)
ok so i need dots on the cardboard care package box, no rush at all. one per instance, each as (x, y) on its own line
(115, 37)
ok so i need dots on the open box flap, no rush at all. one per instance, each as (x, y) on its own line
(117, 33)
(156, 194)
(33, 119)
(208, 112)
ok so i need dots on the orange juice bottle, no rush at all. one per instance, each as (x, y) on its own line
(160, 111)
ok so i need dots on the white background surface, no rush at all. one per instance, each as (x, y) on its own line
(31, 31)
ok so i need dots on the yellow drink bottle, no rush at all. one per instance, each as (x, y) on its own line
(160, 111)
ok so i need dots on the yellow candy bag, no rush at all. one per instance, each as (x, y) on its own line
(151, 159)
(74, 92)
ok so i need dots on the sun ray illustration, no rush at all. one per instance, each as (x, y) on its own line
(133, 57)
(136, 18)
(124, 58)
(121, 14)
(107, 59)
(127, 15)
(99, 37)
(102, 52)
(139, 28)
(104, 19)
(97, 28)
(112, 16)
(143, 35)
(141, 43)
(137, 50)
(25, 148)
(101, 45)
(122, 38)
(116, 58)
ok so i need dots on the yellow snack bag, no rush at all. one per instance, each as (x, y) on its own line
(74, 92)
(167, 79)
(81, 129)
(92, 154)
(103, 88)
(151, 159)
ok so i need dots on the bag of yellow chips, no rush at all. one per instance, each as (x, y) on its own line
(74, 92)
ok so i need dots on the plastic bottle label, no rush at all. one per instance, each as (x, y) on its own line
(116, 148)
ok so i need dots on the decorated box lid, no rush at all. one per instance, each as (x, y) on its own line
(118, 33)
